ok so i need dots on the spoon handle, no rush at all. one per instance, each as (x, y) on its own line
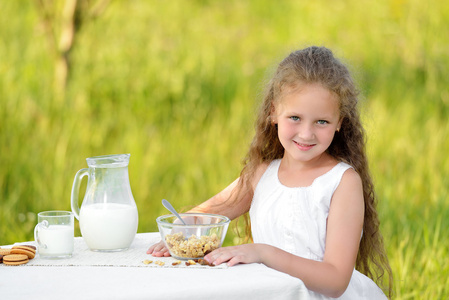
(168, 206)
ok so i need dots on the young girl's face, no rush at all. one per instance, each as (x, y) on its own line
(307, 120)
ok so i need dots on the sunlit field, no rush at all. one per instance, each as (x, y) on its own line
(176, 84)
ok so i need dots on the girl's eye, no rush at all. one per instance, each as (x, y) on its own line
(322, 122)
(294, 118)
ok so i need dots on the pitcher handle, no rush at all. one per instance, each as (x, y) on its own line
(75, 191)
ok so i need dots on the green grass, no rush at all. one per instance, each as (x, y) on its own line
(176, 85)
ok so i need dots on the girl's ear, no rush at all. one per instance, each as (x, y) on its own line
(339, 124)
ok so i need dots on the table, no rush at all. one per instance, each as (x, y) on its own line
(140, 281)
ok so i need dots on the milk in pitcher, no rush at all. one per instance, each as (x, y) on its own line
(108, 226)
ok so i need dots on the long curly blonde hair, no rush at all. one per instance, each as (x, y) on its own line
(318, 65)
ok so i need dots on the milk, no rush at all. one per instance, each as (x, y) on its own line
(58, 240)
(108, 226)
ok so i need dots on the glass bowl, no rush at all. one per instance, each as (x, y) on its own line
(202, 234)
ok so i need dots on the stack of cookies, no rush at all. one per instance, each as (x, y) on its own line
(17, 255)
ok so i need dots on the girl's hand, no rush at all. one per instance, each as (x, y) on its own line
(158, 250)
(247, 253)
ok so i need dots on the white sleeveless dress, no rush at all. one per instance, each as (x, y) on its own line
(294, 220)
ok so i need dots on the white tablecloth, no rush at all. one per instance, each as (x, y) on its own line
(132, 257)
(112, 278)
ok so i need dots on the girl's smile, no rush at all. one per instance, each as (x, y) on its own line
(304, 147)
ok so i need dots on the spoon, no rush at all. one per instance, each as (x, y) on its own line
(168, 206)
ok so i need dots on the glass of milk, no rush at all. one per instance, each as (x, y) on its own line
(54, 234)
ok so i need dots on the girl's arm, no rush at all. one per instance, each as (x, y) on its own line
(344, 227)
(225, 202)
(220, 203)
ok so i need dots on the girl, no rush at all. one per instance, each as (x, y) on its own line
(306, 185)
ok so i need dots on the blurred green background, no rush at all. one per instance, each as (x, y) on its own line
(176, 84)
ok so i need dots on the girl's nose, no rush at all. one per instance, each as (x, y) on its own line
(306, 132)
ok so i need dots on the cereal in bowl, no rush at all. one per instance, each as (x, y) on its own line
(193, 246)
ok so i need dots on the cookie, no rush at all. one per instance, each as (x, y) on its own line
(1, 258)
(30, 246)
(4, 251)
(23, 250)
(15, 259)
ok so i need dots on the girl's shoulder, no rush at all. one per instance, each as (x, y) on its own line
(351, 177)
(345, 175)
(349, 190)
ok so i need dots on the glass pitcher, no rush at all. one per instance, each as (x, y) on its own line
(108, 215)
